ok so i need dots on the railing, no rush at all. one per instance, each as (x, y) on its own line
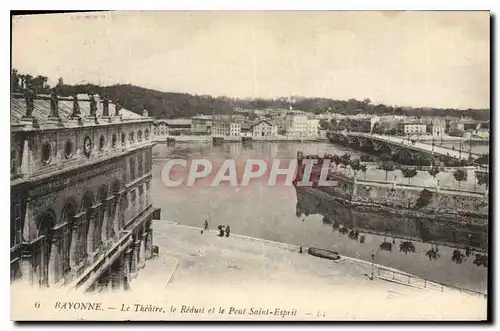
(414, 281)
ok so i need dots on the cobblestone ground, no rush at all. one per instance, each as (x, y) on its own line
(243, 273)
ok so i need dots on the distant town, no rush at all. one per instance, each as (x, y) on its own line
(294, 123)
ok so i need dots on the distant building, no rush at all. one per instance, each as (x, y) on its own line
(300, 125)
(438, 127)
(201, 124)
(246, 129)
(388, 125)
(459, 127)
(413, 127)
(178, 126)
(264, 128)
(224, 125)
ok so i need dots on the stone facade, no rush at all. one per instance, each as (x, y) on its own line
(80, 198)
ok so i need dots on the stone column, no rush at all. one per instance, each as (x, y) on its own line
(149, 244)
(135, 258)
(75, 246)
(145, 194)
(27, 268)
(90, 236)
(126, 261)
(141, 197)
(117, 215)
(110, 280)
(105, 220)
(142, 252)
(55, 260)
(25, 160)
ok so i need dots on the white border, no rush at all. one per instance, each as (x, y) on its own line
(206, 5)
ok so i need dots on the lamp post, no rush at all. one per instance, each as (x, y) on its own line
(373, 266)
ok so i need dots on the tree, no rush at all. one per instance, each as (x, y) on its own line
(424, 199)
(432, 254)
(458, 257)
(14, 80)
(481, 260)
(345, 159)
(485, 159)
(386, 246)
(409, 173)
(483, 178)
(407, 247)
(355, 165)
(363, 168)
(460, 176)
(434, 170)
(336, 160)
(365, 158)
(388, 166)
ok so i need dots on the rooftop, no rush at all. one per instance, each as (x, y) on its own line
(42, 109)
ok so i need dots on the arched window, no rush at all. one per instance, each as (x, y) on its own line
(42, 256)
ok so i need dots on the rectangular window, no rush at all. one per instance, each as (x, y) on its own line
(140, 162)
(132, 168)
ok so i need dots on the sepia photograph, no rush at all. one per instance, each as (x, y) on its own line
(250, 166)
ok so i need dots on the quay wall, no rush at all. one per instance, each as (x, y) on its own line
(208, 139)
(443, 228)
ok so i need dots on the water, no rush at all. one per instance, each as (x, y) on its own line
(270, 212)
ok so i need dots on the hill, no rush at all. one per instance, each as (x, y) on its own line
(172, 105)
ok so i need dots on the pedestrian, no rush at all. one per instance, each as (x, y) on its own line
(221, 230)
(228, 230)
(206, 225)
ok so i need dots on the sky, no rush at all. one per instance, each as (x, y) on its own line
(436, 59)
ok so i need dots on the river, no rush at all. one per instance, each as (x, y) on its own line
(259, 210)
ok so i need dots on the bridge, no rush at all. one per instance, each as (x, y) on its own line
(399, 145)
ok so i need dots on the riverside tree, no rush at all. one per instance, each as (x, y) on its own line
(409, 173)
(388, 166)
(460, 176)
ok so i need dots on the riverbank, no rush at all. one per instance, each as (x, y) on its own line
(243, 272)
(206, 277)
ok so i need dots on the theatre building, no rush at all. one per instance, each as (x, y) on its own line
(81, 211)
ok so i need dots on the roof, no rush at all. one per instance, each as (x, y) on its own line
(203, 117)
(263, 120)
(246, 127)
(42, 109)
(177, 121)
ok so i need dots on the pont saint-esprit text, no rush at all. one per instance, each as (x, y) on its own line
(282, 312)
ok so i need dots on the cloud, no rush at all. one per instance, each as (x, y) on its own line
(407, 58)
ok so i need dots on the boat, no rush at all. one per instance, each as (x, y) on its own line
(323, 253)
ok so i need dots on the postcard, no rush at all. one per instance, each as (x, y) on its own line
(250, 166)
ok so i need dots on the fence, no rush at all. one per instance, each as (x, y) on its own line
(404, 278)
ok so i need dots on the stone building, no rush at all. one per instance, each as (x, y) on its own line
(264, 128)
(81, 210)
(201, 125)
(224, 125)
